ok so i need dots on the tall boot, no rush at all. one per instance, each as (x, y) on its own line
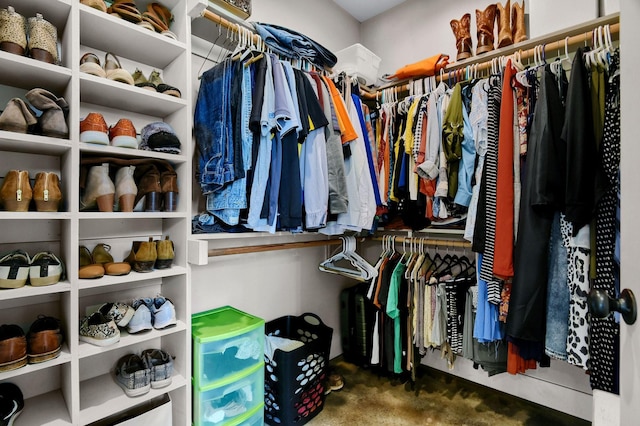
(16, 191)
(13, 35)
(52, 122)
(504, 24)
(518, 27)
(17, 117)
(46, 192)
(126, 189)
(462, 32)
(99, 190)
(43, 40)
(484, 21)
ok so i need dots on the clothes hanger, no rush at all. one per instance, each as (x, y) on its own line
(330, 265)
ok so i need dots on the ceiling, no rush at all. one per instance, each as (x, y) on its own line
(366, 9)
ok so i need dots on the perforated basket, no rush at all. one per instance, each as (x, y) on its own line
(294, 381)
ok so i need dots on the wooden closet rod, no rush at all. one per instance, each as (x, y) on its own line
(219, 20)
(271, 247)
(429, 242)
(552, 44)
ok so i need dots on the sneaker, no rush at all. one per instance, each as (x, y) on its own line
(44, 339)
(141, 320)
(45, 269)
(11, 403)
(133, 375)
(13, 347)
(120, 312)
(164, 313)
(161, 366)
(14, 269)
(99, 330)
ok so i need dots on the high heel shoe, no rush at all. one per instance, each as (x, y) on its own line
(13, 35)
(149, 187)
(16, 191)
(46, 192)
(100, 189)
(126, 189)
(169, 185)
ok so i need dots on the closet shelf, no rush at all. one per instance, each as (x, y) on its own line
(41, 74)
(132, 277)
(132, 215)
(35, 215)
(87, 349)
(33, 144)
(122, 96)
(63, 358)
(101, 394)
(51, 411)
(87, 148)
(104, 32)
(28, 291)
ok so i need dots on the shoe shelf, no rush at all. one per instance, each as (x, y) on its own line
(33, 144)
(132, 215)
(132, 277)
(33, 215)
(86, 350)
(40, 74)
(88, 148)
(30, 291)
(51, 411)
(63, 358)
(101, 394)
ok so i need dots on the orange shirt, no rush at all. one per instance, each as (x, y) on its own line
(347, 132)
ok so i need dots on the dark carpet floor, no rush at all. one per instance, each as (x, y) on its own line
(436, 399)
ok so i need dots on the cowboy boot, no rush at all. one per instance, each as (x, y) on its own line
(52, 122)
(503, 15)
(518, 27)
(46, 192)
(13, 36)
(126, 189)
(169, 186)
(484, 21)
(462, 32)
(43, 40)
(17, 116)
(99, 190)
(16, 191)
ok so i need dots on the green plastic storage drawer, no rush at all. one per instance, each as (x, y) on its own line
(231, 401)
(226, 342)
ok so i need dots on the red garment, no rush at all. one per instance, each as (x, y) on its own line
(515, 363)
(503, 249)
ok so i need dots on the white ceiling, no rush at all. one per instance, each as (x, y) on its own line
(365, 9)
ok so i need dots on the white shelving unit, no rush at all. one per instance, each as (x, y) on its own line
(78, 387)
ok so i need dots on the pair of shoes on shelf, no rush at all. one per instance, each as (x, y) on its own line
(95, 4)
(49, 120)
(35, 36)
(101, 191)
(159, 190)
(11, 403)
(511, 28)
(94, 129)
(112, 70)
(16, 267)
(145, 256)
(154, 83)
(16, 192)
(158, 312)
(157, 17)
(138, 374)
(43, 343)
(97, 263)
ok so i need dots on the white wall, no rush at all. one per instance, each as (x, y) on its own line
(274, 284)
(419, 29)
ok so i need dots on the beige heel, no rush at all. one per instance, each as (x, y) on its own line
(126, 202)
(105, 202)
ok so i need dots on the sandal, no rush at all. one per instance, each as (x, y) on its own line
(96, 4)
(114, 70)
(127, 10)
(90, 64)
(158, 16)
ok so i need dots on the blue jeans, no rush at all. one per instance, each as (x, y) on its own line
(213, 128)
(557, 296)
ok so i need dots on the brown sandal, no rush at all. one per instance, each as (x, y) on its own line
(158, 16)
(127, 10)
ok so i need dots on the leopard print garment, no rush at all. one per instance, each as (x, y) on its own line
(578, 282)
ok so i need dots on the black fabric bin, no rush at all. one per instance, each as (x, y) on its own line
(294, 381)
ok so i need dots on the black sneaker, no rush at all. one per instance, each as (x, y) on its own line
(11, 403)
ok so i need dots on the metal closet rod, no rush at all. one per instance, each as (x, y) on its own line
(550, 47)
(428, 242)
(271, 247)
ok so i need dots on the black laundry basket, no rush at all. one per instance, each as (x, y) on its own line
(294, 381)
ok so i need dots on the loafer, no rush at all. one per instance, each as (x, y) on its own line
(14, 269)
(44, 340)
(45, 269)
(120, 312)
(11, 403)
(99, 330)
(160, 364)
(133, 375)
(13, 347)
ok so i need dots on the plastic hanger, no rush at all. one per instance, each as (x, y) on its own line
(358, 272)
